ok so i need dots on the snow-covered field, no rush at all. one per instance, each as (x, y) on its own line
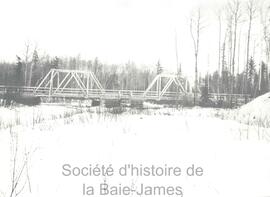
(233, 151)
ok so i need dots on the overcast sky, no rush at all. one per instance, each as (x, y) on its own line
(115, 31)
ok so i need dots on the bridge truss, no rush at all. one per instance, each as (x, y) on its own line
(69, 83)
(84, 84)
(163, 82)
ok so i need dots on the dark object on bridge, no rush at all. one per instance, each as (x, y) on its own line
(95, 103)
(21, 99)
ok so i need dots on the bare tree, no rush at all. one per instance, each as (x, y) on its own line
(223, 63)
(230, 38)
(19, 170)
(178, 65)
(195, 30)
(265, 21)
(33, 65)
(26, 60)
(234, 11)
(251, 9)
(219, 48)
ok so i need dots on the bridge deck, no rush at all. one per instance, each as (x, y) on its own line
(113, 94)
(92, 93)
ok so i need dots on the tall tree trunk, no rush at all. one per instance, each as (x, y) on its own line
(30, 75)
(251, 9)
(234, 50)
(26, 62)
(219, 52)
(196, 42)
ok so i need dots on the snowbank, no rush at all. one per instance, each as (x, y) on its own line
(257, 111)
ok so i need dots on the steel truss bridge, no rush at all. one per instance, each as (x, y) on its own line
(75, 84)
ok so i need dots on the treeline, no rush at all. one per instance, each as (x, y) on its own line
(256, 84)
(29, 72)
(130, 76)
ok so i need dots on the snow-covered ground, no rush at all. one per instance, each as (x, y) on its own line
(257, 111)
(234, 154)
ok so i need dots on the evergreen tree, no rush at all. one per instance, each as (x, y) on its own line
(34, 64)
(159, 68)
(19, 71)
(250, 75)
(55, 62)
(263, 87)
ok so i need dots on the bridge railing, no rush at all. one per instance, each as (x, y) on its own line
(224, 94)
(96, 93)
(16, 89)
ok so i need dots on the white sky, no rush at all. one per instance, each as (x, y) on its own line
(115, 31)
